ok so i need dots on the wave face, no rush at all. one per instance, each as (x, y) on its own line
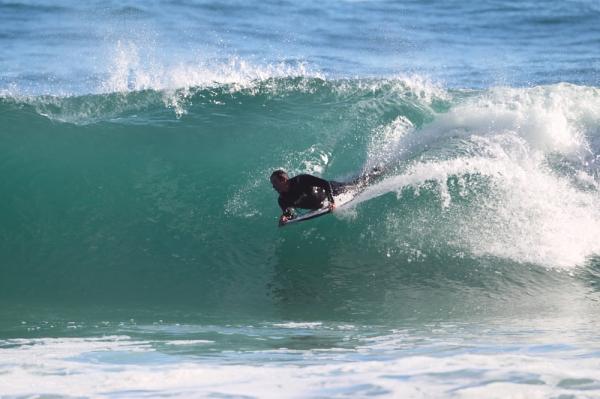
(162, 196)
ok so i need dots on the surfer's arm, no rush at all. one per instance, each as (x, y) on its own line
(285, 208)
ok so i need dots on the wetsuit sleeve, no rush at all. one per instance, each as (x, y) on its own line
(314, 181)
(287, 210)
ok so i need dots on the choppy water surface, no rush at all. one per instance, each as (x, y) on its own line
(139, 252)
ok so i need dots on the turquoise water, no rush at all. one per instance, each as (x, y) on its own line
(139, 248)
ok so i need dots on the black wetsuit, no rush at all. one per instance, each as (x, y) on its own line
(308, 192)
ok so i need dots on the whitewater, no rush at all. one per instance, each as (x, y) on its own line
(139, 249)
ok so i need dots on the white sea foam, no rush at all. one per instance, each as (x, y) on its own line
(185, 342)
(422, 87)
(62, 367)
(292, 324)
(533, 213)
(559, 118)
(130, 71)
(386, 143)
(416, 86)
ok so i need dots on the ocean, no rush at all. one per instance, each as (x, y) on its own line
(140, 255)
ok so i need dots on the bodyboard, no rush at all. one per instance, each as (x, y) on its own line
(308, 215)
(340, 200)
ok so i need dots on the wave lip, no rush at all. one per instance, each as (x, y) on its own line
(148, 99)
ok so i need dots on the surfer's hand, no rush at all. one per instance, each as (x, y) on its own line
(332, 206)
(283, 219)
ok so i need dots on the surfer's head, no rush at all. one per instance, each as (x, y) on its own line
(280, 181)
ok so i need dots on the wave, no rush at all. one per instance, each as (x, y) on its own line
(163, 194)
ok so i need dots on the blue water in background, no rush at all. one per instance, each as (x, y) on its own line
(62, 46)
(139, 253)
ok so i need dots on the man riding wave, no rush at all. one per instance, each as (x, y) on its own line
(308, 192)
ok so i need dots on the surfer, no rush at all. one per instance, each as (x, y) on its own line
(302, 191)
(306, 192)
